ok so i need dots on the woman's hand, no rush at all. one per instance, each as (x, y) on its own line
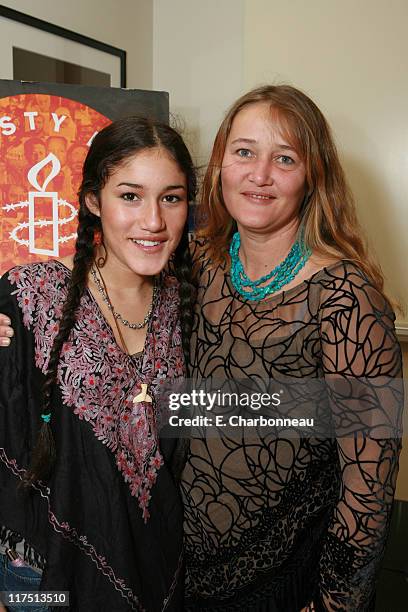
(6, 332)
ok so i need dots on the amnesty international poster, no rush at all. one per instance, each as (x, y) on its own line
(45, 133)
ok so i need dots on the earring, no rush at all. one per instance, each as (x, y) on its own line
(97, 240)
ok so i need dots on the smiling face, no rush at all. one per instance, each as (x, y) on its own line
(143, 210)
(263, 178)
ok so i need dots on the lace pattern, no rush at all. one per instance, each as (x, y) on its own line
(249, 504)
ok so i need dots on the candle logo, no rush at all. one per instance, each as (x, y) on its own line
(41, 196)
(43, 143)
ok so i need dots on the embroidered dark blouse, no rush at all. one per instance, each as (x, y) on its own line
(272, 524)
(108, 524)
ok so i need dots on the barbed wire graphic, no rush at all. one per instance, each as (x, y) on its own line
(41, 222)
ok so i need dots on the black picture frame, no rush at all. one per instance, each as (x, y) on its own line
(68, 34)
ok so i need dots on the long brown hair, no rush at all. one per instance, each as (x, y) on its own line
(329, 220)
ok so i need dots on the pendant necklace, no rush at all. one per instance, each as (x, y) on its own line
(101, 286)
(143, 395)
(280, 276)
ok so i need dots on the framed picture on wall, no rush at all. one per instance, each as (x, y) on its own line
(34, 50)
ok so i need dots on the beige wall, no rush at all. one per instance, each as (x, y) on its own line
(198, 59)
(126, 24)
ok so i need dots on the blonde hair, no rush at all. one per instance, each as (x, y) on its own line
(329, 220)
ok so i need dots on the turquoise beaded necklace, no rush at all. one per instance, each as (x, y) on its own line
(283, 274)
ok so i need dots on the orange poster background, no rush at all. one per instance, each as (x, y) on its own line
(24, 142)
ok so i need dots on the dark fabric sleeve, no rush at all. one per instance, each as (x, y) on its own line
(20, 407)
(363, 371)
(17, 399)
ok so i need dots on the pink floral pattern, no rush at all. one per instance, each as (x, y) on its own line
(96, 379)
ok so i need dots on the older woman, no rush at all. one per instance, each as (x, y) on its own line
(288, 291)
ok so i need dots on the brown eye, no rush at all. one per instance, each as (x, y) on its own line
(129, 196)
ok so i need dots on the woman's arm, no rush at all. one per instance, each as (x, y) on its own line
(363, 372)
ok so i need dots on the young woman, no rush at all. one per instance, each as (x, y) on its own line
(87, 497)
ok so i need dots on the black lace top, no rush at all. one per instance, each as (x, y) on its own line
(273, 523)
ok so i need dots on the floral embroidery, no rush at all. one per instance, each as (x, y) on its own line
(96, 379)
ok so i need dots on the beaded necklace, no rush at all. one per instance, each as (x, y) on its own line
(101, 286)
(281, 275)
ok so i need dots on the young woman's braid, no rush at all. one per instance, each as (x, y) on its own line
(182, 269)
(44, 451)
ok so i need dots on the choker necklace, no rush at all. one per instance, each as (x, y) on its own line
(283, 274)
(101, 286)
